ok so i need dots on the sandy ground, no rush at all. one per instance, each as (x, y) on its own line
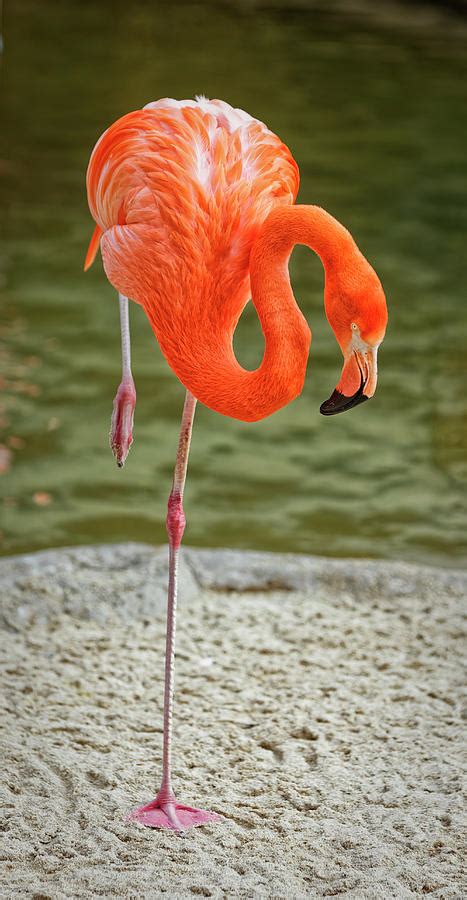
(318, 708)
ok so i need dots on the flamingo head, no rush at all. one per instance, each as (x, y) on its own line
(356, 310)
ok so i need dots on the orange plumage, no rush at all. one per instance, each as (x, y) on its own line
(185, 194)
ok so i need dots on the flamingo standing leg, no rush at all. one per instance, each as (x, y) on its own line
(164, 811)
(121, 429)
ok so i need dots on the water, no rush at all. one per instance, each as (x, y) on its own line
(375, 116)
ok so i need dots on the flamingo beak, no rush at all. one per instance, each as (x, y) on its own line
(357, 382)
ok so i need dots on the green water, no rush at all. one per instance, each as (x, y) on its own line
(376, 118)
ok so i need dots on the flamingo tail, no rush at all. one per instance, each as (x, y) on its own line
(93, 248)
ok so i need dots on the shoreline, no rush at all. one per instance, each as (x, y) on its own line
(42, 583)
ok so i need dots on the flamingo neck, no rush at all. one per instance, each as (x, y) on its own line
(221, 383)
(208, 367)
(287, 226)
(287, 336)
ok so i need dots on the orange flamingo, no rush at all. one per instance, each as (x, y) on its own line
(194, 205)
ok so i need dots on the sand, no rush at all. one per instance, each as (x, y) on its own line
(318, 709)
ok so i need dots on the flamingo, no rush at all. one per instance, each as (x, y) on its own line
(194, 204)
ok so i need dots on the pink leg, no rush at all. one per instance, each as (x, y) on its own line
(121, 429)
(164, 811)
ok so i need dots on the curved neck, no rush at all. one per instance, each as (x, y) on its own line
(210, 370)
(286, 332)
(312, 226)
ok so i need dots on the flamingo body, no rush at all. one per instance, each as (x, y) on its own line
(180, 190)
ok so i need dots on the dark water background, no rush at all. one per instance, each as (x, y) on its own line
(375, 114)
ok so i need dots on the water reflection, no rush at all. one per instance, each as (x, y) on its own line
(374, 116)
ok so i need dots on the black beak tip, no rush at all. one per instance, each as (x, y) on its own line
(338, 402)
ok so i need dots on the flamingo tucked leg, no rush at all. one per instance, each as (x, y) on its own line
(121, 429)
(164, 811)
